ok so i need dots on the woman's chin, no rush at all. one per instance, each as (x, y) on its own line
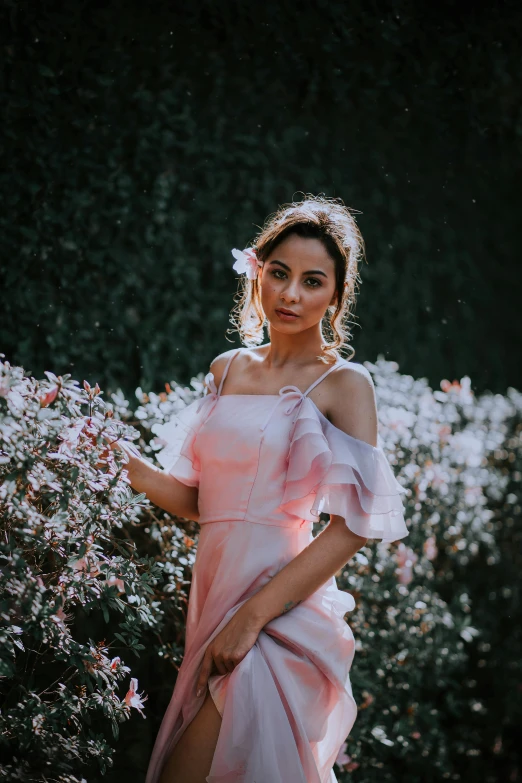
(285, 326)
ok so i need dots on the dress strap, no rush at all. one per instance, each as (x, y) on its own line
(225, 371)
(294, 397)
(338, 363)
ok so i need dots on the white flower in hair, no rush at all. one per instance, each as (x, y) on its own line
(246, 262)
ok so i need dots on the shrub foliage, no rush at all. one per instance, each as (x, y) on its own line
(95, 582)
(77, 597)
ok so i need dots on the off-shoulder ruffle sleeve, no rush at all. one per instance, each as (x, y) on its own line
(332, 472)
(179, 455)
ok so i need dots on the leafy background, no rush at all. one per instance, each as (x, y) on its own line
(144, 142)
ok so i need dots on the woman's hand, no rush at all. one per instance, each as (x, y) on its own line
(126, 448)
(228, 648)
(112, 445)
(161, 488)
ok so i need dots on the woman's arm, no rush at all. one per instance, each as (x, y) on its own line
(336, 544)
(311, 568)
(160, 487)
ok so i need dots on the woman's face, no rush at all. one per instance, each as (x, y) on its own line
(298, 276)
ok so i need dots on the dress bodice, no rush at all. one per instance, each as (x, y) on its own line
(277, 460)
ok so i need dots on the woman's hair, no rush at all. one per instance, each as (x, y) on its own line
(315, 217)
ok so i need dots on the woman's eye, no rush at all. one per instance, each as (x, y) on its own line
(312, 282)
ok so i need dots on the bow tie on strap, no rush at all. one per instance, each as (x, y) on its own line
(210, 395)
(292, 396)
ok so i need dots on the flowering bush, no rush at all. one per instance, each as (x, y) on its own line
(92, 572)
(76, 594)
(425, 622)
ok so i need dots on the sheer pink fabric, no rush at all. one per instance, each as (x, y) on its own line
(266, 466)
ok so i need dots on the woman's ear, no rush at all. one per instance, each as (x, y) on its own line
(333, 300)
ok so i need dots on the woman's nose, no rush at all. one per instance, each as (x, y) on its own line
(291, 293)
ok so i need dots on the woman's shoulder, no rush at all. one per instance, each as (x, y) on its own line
(218, 364)
(352, 374)
(352, 404)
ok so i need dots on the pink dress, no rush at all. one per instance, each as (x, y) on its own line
(266, 467)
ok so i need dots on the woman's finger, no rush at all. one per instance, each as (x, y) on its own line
(204, 672)
(220, 665)
(229, 665)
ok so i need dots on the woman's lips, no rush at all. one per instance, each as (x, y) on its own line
(286, 316)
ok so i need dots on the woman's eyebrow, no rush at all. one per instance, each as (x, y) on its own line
(309, 272)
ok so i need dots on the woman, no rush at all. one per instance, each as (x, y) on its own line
(286, 430)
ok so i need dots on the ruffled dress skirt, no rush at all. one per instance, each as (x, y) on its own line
(288, 706)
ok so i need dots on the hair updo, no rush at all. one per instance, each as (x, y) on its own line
(315, 217)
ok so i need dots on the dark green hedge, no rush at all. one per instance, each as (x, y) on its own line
(144, 141)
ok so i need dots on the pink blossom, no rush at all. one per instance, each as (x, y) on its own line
(430, 548)
(82, 565)
(444, 432)
(133, 698)
(462, 389)
(368, 699)
(446, 386)
(70, 435)
(115, 663)
(406, 559)
(436, 474)
(38, 722)
(49, 397)
(246, 262)
(118, 583)
(60, 617)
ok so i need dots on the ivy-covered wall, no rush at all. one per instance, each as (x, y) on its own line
(143, 141)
